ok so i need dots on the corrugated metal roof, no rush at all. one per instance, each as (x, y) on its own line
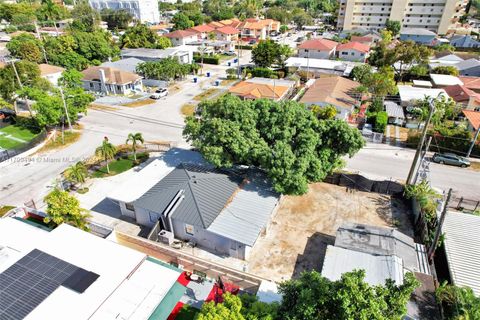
(462, 250)
(378, 268)
(206, 192)
(394, 110)
(249, 212)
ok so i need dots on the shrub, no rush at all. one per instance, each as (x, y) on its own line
(207, 59)
(263, 72)
(245, 47)
(381, 120)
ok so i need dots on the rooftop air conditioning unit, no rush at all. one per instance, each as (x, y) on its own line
(166, 237)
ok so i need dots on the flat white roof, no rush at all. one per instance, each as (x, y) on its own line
(422, 83)
(142, 180)
(315, 63)
(378, 268)
(408, 93)
(268, 292)
(112, 262)
(445, 80)
(462, 250)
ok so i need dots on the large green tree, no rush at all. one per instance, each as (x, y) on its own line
(181, 21)
(28, 74)
(85, 18)
(228, 309)
(26, 47)
(284, 138)
(458, 303)
(116, 19)
(141, 36)
(165, 69)
(393, 26)
(65, 208)
(269, 52)
(406, 54)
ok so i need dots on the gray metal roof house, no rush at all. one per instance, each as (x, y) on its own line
(223, 211)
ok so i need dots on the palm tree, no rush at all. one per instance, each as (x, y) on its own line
(106, 151)
(134, 137)
(76, 173)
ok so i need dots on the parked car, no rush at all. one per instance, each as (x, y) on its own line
(451, 159)
(229, 53)
(162, 92)
(253, 41)
(300, 39)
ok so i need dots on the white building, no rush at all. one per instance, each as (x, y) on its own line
(353, 51)
(71, 274)
(436, 15)
(51, 73)
(142, 10)
(317, 49)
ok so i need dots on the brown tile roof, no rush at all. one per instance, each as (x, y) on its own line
(250, 90)
(159, 27)
(228, 30)
(179, 34)
(460, 93)
(112, 75)
(472, 83)
(352, 45)
(202, 28)
(473, 117)
(46, 69)
(362, 39)
(318, 44)
(332, 90)
(230, 22)
(216, 24)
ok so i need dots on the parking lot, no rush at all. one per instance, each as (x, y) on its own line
(305, 225)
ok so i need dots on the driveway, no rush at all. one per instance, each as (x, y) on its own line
(380, 161)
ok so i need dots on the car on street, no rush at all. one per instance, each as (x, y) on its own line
(253, 41)
(159, 93)
(451, 159)
(229, 53)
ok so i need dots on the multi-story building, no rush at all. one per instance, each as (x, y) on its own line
(435, 15)
(142, 10)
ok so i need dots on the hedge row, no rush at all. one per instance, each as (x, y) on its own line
(207, 59)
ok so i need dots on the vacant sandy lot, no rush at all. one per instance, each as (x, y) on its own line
(304, 226)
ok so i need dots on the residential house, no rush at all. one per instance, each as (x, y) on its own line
(51, 73)
(320, 66)
(473, 118)
(336, 91)
(410, 94)
(128, 64)
(394, 112)
(145, 11)
(470, 67)
(418, 35)
(257, 29)
(353, 51)
(212, 46)
(184, 54)
(444, 80)
(465, 41)
(226, 33)
(67, 273)
(464, 96)
(317, 48)
(460, 248)
(202, 31)
(181, 37)
(222, 211)
(108, 80)
(263, 88)
(472, 83)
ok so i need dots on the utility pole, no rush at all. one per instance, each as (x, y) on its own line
(21, 86)
(431, 249)
(308, 64)
(66, 111)
(422, 160)
(473, 142)
(411, 173)
(40, 38)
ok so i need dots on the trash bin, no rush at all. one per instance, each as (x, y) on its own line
(217, 83)
(195, 80)
(229, 63)
(235, 60)
(208, 74)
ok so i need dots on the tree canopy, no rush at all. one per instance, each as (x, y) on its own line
(268, 52)
(165, 69)
(459, 303)
(284, 138)
(393, 26)
(116, 19)
(181, 21)
(141, 36)
(62, 207)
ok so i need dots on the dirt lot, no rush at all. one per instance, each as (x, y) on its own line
(304, 226)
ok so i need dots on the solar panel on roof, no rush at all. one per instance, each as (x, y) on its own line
(28, 282)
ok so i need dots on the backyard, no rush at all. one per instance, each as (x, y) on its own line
(119, 165)
(304, 225)
(14, 136)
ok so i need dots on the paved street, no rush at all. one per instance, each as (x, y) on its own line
(34, 176)
(380, 161)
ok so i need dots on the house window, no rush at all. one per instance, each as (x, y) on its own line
(189, 229)
(344, 53)
(129, 206)
(91, 85)
(353, 53)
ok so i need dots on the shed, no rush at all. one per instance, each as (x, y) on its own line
(394, 112)
(443, 80)
(422, 84)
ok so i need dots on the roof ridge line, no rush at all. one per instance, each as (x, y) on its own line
(196, 204)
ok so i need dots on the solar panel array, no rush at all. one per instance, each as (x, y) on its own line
(28, 282)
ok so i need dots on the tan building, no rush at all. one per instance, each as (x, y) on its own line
(263, 88)
(438, 16)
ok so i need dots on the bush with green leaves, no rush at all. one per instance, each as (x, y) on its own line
(458, 303)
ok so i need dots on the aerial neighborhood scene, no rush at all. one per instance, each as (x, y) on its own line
(239, 159)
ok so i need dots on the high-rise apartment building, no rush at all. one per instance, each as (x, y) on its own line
(435, 15)
(142, 10)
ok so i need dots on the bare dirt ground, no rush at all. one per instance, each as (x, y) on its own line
(304, 225)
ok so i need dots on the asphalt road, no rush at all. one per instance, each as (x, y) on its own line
(380, 161)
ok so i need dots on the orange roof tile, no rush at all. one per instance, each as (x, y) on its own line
(46, 69)
(362, 39)
(228, 30)
(216, 24)
(471, 82)
(179, 34)
(202, 28)
(332, 90)
(460, 93)
(251, 90)
(318, 44)
(352, 45)
(112, 75)
(473, 117)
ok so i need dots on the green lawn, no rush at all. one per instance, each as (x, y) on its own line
(5, 209)
(119, 166)
(16, 132)
(187, 313)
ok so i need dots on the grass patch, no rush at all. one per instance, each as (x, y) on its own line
(187, 313)
(17, 132)
(5, 209)
(97, 106)
(139, 103)
(120, 165)
(228, 82)
(83, 190)
(475, 166)
(206, 94)
(188, 109)
(68, 137)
